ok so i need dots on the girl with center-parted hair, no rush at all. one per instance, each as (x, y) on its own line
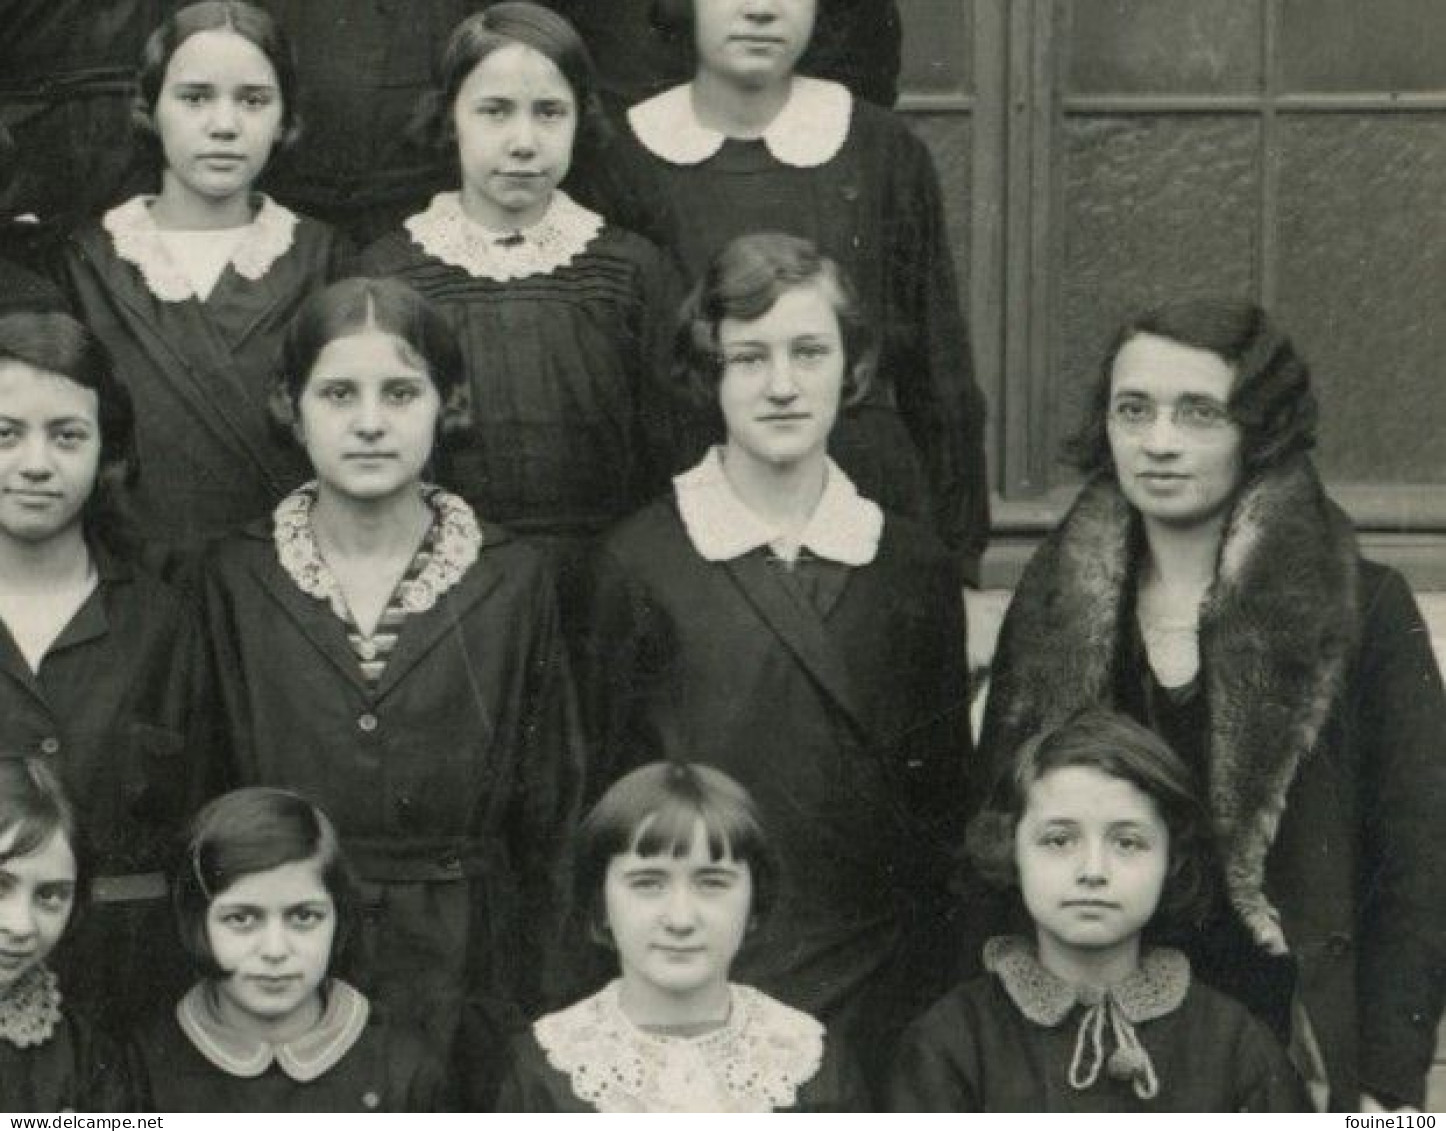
(1098, 832)
(190, 289)
(267, 908)
(99, 663)
(51, 1056)
(674, 870)
(564, 318)
(388, 654)
(769, 620)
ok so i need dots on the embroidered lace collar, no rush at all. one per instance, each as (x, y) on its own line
(844, 528)
(808, 132)
(1156, 988)
(449, 234)
(457, 543)
(756, 1062)
(304, 1059)
(137, 240)
(30, 1012)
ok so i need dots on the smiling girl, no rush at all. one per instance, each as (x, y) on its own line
(392, 657)
(190, 289)
(267, 908)
(1099, 829)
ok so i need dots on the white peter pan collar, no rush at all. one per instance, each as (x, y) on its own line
(138, 241)
(808, 132)
(308, 1057)
(845, 527)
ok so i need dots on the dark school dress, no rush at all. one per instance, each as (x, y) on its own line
(566, 336)
(53, 1059)
(1020, 1039)
(200, 372)
(765, 1057)
(117, 709)
(352, 1060)
(837, 695)
(853, 179)
(451, 771)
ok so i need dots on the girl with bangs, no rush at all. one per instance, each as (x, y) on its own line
(674, 869)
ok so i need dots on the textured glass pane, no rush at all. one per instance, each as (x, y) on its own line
(938, 47)
(1352, 45)
(1153, 208)
(951, 141)
(1363, 287)
(1163, 46)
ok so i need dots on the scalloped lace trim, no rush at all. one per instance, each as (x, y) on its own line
(30, 1012)
(756, 1062)
(447, 233)
(137, 240)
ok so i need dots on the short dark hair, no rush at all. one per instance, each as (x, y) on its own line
(249, 22)
(743, 281)
(34, 804)
(1121, 748)
(57, 343)
(656, 809)
(496, 27)
(389, 306)
(1272, 399)
(253, 830)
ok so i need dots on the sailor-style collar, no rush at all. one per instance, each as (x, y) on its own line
(30, 1012)
(755, 1062)
(808, 132)
(138, 241)
(444, 231)
(304, 1059)
(845, 526)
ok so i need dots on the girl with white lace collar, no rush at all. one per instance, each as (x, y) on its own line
(51, 1059)
(674, 869)
(751, 145)
(563, 317)
(191, 287)
(1099, 829)
(266, 905)
(398, 660)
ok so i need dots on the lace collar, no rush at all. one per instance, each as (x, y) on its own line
(808, 132)
(1156, 988)
(30, 1012)
(756, 1062)
(137, 240)
(447, 233)
(845, 527)
(311, 1055)
(457, 543)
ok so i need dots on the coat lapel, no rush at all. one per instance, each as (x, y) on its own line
(798, 625)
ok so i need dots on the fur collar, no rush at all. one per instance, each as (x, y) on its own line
(1277, 630)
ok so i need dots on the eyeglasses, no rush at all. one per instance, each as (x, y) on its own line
(1192, 413)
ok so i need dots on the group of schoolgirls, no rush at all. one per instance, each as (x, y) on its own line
(643, 585)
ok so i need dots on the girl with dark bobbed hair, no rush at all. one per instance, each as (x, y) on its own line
(1204, 584)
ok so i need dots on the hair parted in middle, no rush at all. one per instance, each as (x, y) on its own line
(743, 282)
(1119, 747)
(253, 830)
(1271, 400)
(657, 809)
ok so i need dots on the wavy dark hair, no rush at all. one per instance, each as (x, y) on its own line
(57, 343)
(1272, 400)
(1120, 748)
(249, 22)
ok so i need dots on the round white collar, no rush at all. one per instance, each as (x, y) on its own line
(444, 231)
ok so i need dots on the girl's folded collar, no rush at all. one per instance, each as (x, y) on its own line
(308, 1057)
(844, 528)
(137, 240)
(808, 132)
(455, 548)
(30, 1012)
(1156, 988)
(445, 232)
(756, 1061)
